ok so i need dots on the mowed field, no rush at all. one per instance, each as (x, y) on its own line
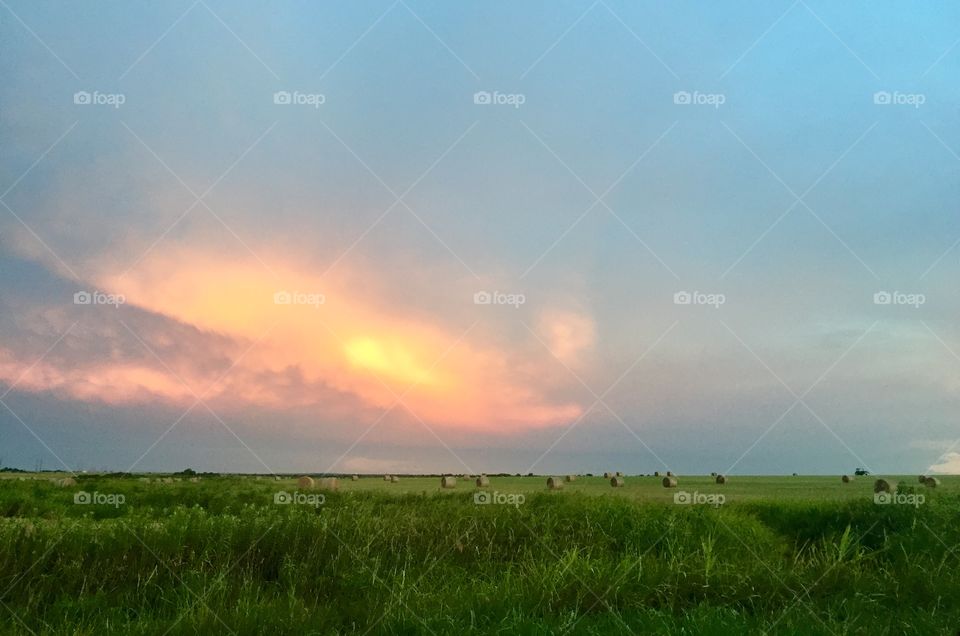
(749, 488)
(246, 555)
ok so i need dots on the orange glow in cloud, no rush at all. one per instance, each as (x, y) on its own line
(116, 383)
(331, 334)
(394, 361)
(568, 334)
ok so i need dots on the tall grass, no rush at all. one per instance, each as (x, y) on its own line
(221, 557)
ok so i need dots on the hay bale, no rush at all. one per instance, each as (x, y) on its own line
(305, 483)
(467, 477)
(669, 482)
(618, 474)
(931, 482)
(482, 481)
(394, 479)
(846, 479)
(713, 474)
(669, 474)
(554, 483)
(607, 475)
(884, 485)
(328, 483)
(720, 479)
(167, 480)
(66, 482)
(570, 478)
(922, 479)
(355, 478)
(616, 481)
(448, 481)
(656, 473)
(195, 480)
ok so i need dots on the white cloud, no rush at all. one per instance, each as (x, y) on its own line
(949, 464)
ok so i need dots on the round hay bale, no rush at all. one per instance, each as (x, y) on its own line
(616, 481)
(884, 485)
(467, 477)
(554, 483)
(720, 479)
(846, 479)
(713, 474)
(448, 481)
(656, 473)
(394, 479)
(355, 478)
(922, 479)
(669, 474)
(167, 480)
(931, 482)
(607, 475)
(482, 481)
(66, 482)
(386, 478)
(618, 474)
(570, 478)
(328, 483)
(305, 483)
(669, 482)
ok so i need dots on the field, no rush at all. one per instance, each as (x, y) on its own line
(781, 555)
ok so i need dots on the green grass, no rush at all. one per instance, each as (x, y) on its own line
(783, 555)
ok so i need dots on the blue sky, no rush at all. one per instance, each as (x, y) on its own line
(815, 166)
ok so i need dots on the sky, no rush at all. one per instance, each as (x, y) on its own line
(423, 236)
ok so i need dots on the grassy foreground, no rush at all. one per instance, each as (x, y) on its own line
(801, 555)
